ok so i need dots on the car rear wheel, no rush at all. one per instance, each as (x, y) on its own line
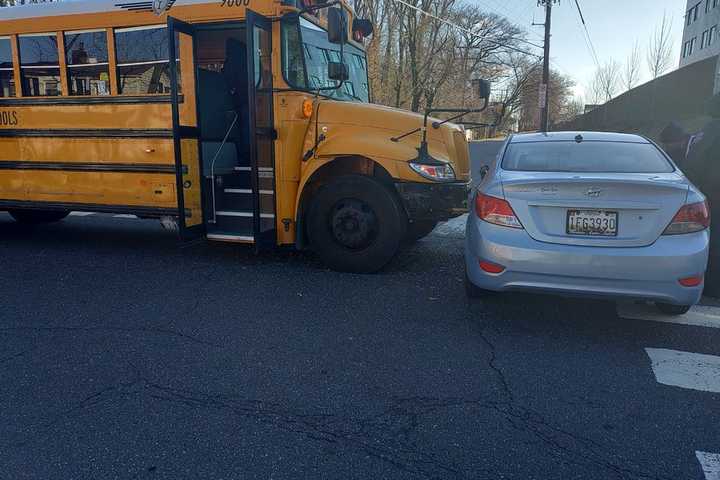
(35, 217)
(355, 224)
(472, 290)
(669, 309)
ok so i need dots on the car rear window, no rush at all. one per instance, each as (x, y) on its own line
(586, 156)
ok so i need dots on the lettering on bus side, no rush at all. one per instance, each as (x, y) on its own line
(8, 118)
(234, 3)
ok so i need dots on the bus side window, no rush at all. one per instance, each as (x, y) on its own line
(143, 65)
(7, 80)
(39, 65)
(86, 55)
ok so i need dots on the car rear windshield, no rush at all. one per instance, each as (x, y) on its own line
(586, 156)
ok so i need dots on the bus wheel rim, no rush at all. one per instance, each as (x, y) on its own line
(353, 224)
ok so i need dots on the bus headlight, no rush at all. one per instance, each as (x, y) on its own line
(438, 172)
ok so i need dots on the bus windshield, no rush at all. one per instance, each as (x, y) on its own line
(305, 57)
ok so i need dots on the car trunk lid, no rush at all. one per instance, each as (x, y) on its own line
(645, 204)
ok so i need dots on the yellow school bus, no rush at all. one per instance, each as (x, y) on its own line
(243, 121)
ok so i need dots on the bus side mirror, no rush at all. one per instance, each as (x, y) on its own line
(337, 29)
(338, 71)
(362, 28)
(482, 87)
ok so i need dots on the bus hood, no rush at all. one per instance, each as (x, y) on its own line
(371, 128)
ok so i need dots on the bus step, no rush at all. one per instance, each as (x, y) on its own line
(247, 191)
(230, 237)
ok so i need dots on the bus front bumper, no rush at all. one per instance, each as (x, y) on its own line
(433, 201)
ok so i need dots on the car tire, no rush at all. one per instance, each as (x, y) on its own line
(669, 309)
(36, 217)
(355, 224)
(419, 229)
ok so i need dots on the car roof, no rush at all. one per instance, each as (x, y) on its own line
(572, 136)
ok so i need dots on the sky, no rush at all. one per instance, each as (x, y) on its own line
(614, 26)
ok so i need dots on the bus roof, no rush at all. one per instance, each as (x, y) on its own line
(72, 7)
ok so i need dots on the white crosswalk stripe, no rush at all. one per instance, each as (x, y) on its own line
(81, 214)
(699, 316)
(710, 463)
(693, 371)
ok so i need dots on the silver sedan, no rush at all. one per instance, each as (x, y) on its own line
(590, 214)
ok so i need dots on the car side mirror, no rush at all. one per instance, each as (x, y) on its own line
(482, 88)
(336, 26)
(338, 71)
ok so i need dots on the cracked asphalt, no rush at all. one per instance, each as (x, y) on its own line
(124, 356)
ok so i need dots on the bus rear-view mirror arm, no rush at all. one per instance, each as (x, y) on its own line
(482, 88)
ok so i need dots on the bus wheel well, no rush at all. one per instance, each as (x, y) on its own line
(345, 165)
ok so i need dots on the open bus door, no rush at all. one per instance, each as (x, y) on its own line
(262, 128)
(186, 129)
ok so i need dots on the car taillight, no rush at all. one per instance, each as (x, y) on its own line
(495, 210)
(693, 281)
(690, 218)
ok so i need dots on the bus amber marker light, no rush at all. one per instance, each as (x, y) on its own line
(307, 108)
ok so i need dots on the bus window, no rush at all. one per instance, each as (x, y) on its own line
(7, 82)
(39, 65)
(87, 62)
(305, 39)
(143, 65)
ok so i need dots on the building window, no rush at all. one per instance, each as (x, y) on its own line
(691, 46)
(692, 14)
(86, 55)
(712, 35)
(707, 6)
(7, 75)
(704, 40)
(39, 65)
(143, 65)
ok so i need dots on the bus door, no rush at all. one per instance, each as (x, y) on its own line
(186, 131)
(262, 128)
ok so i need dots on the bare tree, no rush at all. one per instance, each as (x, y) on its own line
(605, 82)
(659, 54)
(631, 69)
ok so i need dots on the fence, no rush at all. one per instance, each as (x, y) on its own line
(678, 96)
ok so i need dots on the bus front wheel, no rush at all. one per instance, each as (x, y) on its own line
(34, 217)
(355, 224)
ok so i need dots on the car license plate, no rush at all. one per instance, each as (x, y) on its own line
(601, 223)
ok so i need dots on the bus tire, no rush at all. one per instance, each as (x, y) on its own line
(35, 217)
(355, 224)
(419, 229)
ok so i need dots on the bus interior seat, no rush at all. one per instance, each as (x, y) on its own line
(223, 112)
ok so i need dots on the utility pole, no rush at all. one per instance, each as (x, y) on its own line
(544, 93)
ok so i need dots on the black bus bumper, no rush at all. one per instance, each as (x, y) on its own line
(433, 201)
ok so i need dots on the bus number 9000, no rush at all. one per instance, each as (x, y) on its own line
(234, 3)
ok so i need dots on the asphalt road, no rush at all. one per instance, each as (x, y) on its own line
(125, 356)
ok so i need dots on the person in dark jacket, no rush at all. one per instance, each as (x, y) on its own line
(674, 141)
(702, 167)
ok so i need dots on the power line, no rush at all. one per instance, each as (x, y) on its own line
(586, 37)
(470, 32)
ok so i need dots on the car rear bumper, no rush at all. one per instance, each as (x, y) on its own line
(650, 272)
